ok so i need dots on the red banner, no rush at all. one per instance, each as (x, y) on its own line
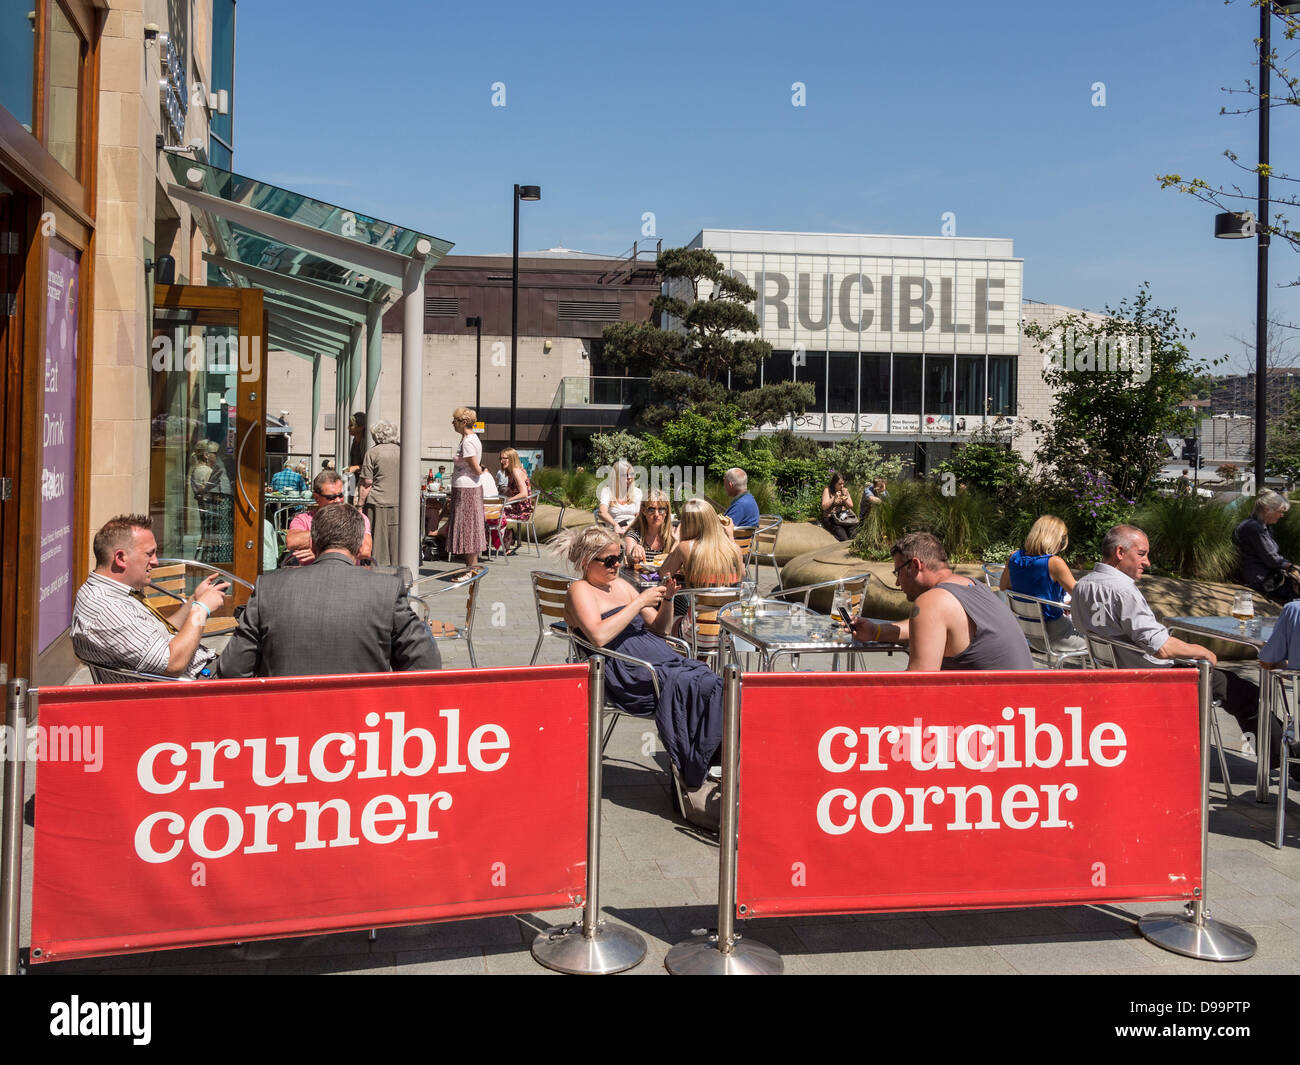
(912, 791)
(248, 809)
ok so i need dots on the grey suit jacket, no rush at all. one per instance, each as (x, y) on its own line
(331, 617)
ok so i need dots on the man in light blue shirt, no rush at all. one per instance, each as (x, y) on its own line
(743, 511)
(1283, 648)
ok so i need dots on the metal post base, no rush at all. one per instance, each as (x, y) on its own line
(611, 949)
(700, 956)
(1211, 941)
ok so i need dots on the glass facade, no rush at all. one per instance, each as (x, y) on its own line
(221, 129)
(66, 49)
(18, 60)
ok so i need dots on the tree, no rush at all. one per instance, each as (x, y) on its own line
(989, 464)
(1284, 443)
(1283, 90)
(1118, 381)
(688, 365)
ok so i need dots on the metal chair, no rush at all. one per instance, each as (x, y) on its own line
(496, 527)
(172, 578)
(527, 527)
(764, 545)
(1286, 681)
(701, 622)
(743, 538)
(584, 649)
(549, 593)
(103, 675)
(1030, 616)
(993, 574)
(448, 585)
(1101, 649)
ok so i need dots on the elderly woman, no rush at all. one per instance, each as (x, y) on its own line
(706, 556)
(1038, 570)
(651, 533)
(1262, 565)
(379, 491)
(466, 532)
(608, 612)
(621, 498)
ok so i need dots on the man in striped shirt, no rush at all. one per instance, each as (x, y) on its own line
(113, 628)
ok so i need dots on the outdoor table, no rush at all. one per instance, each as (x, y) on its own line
(1256, 634)
(780, 628)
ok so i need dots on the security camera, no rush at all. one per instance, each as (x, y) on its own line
(151, 31)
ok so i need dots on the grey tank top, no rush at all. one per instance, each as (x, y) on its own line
(998, 642)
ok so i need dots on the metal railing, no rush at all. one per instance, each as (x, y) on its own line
(601, 391)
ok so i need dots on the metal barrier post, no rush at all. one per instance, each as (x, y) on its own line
(1287, 678)
(1263, 738)
(725, 953)
(1193, 933)
(11, 854)
(593, 948)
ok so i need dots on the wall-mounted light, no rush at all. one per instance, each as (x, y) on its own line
(546, 346)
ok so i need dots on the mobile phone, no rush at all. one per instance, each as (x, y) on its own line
(844, 617)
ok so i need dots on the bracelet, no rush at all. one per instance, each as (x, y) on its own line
(206, 612)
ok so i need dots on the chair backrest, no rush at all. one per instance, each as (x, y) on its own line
(744, 540)
(1028, 612)
(549, 593)
(704, 606)
(492, 511)
(1102, 651)
(448, 585)
(993, 574)
(765, 534)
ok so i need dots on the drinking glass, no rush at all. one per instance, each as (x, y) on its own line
(1243, 609)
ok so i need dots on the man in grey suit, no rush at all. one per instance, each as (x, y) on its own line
(333, 617)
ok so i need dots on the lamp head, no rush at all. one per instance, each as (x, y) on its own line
(528, 192)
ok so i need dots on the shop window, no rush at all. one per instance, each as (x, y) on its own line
(970, 384)
(907, 384)
(813, 370)
(842, 389)
(18, 60)
(875, 384)
(1002, 385)
(66, 51)
(938, 384)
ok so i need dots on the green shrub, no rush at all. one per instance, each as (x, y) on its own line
(551, 479)
(608, 448)
(990, 466)
(1190, 537)
(785, 444)
(861, 461)
(580, 489)
(803, 503)
(795, 475)
(964, 522)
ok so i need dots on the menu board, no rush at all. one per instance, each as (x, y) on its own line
(59, 439)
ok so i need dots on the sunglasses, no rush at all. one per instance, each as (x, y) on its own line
(609, 561)
(655, 510)
(330, 499)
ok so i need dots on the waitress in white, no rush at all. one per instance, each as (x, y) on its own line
(468, 536)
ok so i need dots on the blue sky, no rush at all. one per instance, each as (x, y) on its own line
(685, 110)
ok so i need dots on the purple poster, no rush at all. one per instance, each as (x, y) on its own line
(59, 441)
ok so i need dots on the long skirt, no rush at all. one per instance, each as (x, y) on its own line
(468, 533)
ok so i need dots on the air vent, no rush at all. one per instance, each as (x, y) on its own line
(588, 311)
(500, 277)
(442, 306)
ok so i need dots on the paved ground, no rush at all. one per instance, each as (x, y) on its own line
(660, 878)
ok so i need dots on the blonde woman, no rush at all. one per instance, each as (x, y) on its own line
(519, 489)
(706, 556)
(620, 499)
(467, 535)
(1038, 570)
(652, 530)
(608, 612)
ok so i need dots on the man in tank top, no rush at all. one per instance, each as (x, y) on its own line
(955, 622)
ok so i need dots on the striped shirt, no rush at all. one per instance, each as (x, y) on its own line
(111, 628)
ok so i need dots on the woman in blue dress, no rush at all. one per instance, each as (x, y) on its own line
(610, 613)
(1038, 570)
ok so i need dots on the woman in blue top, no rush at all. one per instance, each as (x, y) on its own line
(1038, 570)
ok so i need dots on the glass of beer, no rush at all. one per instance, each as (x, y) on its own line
(1243, 609)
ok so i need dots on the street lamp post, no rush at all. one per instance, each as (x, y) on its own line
(1235, 225)
(522, 192)
(476, 323)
